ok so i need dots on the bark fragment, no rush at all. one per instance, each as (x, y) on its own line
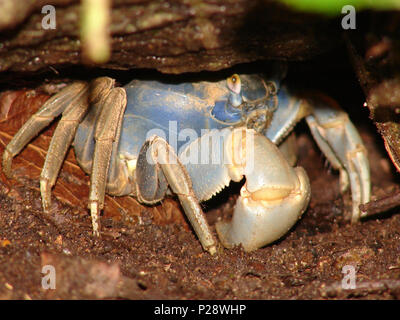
(374, 50)
(170, 36)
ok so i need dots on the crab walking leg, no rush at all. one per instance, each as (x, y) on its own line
(107, 132)
(339, 140)
(156, 151)
(52, 108)
(273, 197)
(64, 134)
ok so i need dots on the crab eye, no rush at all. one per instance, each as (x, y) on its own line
(234, 83)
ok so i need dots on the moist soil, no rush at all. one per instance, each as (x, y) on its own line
(147, 260)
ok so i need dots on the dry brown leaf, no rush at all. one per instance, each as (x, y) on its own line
(72, 186)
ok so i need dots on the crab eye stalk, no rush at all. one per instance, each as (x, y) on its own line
(234, 83)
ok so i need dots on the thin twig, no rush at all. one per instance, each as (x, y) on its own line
(381, 205)
(362, 288)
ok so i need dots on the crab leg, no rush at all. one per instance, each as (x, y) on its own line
(64, 134)
(61, 102)
(59, 145)
(157, 154)
(339, 140)
(106, 134)
(273, 198)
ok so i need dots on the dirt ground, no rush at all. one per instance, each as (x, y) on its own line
(147, 260)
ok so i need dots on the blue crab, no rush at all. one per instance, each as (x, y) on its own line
(150, 139)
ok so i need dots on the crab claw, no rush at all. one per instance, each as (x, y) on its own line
(273, 197)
